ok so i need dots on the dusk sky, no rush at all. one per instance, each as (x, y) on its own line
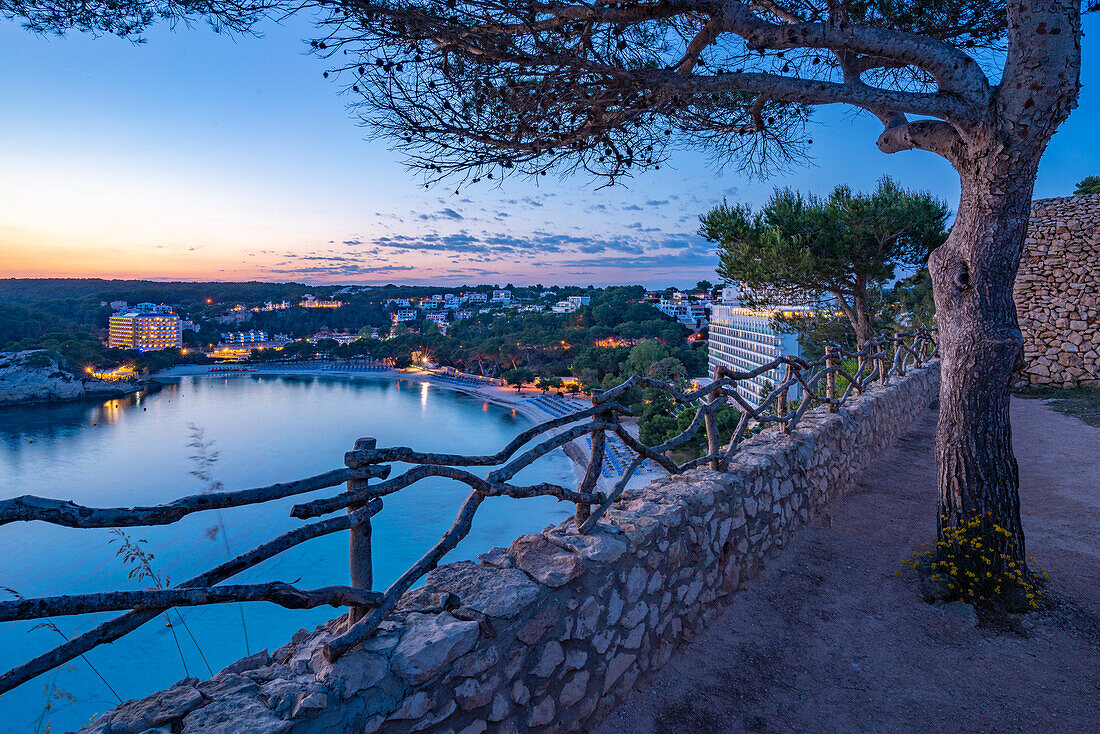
(199, 156)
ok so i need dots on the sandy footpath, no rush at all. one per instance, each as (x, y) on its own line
(828, 639)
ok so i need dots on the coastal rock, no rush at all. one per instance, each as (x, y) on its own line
(34, 376)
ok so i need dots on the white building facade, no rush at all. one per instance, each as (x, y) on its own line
(743, 339)
(571, 304)
(240, 338)
(691, 315)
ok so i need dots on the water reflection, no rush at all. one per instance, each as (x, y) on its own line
(133, 451)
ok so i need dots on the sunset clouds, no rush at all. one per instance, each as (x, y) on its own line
(196, 156)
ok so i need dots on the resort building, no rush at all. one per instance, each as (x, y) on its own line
(272, 306)
(241, 338)
(308, 301)
(404, 314)
(731, 295)
(146, 328)
(477, 298)
(439, 319)
(502, 297)
(571, 304)
(340, 337)
(743, 339)
(692, 315)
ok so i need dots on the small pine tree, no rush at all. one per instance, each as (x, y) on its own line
(1088, 185)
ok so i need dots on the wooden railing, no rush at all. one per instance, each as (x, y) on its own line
(366, 475)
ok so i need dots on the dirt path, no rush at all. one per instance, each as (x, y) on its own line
(828, 639)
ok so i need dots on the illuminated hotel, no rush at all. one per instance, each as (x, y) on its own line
(146, 328)
(308, 301)
(743, 339)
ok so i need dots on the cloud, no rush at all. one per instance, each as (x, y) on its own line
(445, 213)
(344, 270)
(625, 246)
(645, 262)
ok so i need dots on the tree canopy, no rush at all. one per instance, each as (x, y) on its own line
(1088, 185)
(799, 246)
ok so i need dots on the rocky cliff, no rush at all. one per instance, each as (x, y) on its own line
(34, 376)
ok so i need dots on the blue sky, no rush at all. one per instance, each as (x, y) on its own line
(198, 156)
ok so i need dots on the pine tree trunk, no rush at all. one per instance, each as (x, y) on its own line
(973, 272)
(981, 346)
(863, 323)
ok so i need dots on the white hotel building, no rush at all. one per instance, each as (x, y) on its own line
(743, 339)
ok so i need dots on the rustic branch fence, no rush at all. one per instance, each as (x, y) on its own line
(877, 363)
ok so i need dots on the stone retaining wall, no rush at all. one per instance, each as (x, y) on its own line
(550, 633)
(1057, 292)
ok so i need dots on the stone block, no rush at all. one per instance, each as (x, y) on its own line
(496, 592)
(431, 643)
(545, 562)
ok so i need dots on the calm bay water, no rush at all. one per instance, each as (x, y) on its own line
(265, 429)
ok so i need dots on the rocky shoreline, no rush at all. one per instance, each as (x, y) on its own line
(35, 376)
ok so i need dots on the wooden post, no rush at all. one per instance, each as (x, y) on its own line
(901, 357)
(781, 398)
(360, 561)
(710, 420)
(831, 360)
(595, 464)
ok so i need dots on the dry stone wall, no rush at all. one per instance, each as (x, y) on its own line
(550, 633)
(1058, 292)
